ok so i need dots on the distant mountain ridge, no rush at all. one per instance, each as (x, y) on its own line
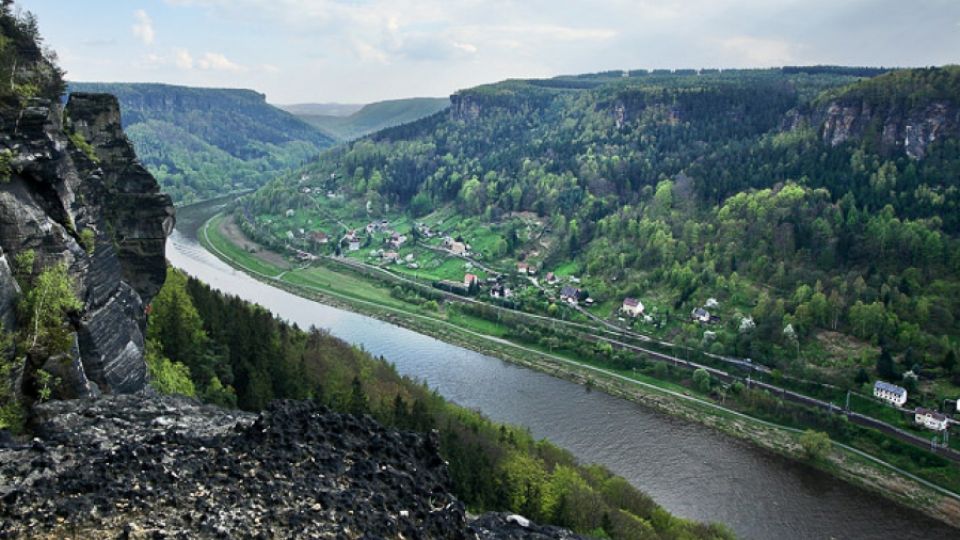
(322, 109)
(366, 119)
(201, 142)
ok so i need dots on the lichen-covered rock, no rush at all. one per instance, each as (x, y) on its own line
(76, 180)
(162, 467)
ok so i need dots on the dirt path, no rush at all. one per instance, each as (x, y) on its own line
(229, 229)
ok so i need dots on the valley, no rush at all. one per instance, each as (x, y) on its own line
(770, 496)
(698, 302)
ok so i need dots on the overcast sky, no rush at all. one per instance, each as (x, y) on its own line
(357, 51)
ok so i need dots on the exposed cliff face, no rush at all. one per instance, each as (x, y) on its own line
(56, 199)
(911, 130)
(464, 107)
(139, 466)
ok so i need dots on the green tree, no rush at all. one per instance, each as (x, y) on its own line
(44, 306)
(166, 376)
(885, 365)
(11, 410)
(815, 444)
(523, 477)
(358, 403)
(701, 378)
(176, 325)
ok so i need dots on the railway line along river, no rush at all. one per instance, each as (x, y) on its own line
(688, 468)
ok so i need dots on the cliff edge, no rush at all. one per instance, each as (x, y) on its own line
(74, 193)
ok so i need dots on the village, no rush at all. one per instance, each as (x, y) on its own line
(467, 257)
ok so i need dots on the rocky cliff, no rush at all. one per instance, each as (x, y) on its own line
(141, 466)
(77, 195)
(910, 130)
(903, 111)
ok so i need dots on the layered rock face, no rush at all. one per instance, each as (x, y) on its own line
(911, 130)
(61, 195)
(144, 466)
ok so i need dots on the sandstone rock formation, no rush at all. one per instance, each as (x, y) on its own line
(75, 181)
(910, 130)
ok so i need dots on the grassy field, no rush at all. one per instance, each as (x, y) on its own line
(236, 253)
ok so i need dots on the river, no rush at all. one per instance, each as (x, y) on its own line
(689, 469)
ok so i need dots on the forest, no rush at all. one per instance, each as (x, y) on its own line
(795, 198)
(203, 142)
(226, 351)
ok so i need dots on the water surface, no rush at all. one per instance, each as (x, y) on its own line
(691, 470)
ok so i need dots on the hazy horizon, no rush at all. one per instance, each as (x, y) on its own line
(361, 51)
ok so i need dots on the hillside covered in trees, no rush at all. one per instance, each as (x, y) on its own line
(203, 142)
(814, 209)
(368, 118)
(235, 354)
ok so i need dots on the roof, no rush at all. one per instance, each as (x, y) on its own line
(470, 277)
(570, 291)
(892, 388)
(933, 414)
(700, 312)
(631, 302)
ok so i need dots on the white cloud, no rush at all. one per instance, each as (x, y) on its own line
(217, 62)
(183, 59)
(143, 27)
(759, 52)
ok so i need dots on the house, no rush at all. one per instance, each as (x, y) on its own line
(319, 237)
(522, 267)
(930, 419)
(354, 245)
(499, 291)
(632, 307)
(711, 303)
(458, 248)
(551, 278)
(569, 293)
(391, 255)
(700, 315)
(397, 240)
(289, 213)
(890, 393)
(470, 279)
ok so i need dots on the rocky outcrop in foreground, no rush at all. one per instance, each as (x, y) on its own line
(142, 466)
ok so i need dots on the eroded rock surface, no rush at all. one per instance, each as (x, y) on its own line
(161, 467)
(76, 181)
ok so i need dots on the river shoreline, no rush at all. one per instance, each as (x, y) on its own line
(843, 462)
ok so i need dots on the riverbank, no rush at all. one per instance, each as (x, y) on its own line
(844, 462)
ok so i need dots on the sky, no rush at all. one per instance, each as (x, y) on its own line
(359, 51)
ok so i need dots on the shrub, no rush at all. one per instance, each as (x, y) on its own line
(166, 376)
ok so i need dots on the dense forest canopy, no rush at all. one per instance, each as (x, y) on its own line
(203, 142)
(822, 199)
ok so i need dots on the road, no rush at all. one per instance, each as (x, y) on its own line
(590, 333)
